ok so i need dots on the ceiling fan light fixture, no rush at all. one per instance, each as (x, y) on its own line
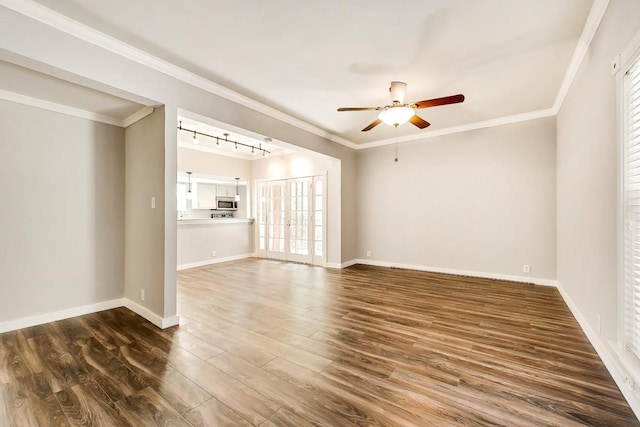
(396, 115)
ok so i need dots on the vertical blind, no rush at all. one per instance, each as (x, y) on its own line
(631, 208)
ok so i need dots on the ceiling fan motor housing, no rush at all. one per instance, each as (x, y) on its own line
(397, 90)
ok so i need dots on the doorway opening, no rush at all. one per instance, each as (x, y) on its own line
(291, 219)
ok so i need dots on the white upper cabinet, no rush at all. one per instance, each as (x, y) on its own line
(206, 196)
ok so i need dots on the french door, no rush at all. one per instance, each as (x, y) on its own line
(291, 220)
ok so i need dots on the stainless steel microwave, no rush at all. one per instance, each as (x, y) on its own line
(226, 204)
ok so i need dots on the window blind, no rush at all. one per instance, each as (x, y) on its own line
(631, 206)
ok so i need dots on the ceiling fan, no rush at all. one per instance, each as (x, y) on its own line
(398, 113)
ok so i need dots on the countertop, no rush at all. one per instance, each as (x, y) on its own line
(214, 221)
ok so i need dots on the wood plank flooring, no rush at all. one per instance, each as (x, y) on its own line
(266, 343)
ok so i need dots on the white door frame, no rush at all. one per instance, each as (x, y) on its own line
(262, 220)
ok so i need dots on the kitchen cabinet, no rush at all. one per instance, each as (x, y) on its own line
(226, 190)
(206, 196)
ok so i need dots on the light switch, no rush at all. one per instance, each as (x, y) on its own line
(153, 203)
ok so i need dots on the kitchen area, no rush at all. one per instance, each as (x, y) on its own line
(213, 201)
(212, 225)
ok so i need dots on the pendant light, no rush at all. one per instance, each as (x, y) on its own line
(189, 193)
(237, 193)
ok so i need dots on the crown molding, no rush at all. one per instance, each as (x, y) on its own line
(625, 58)
(65, 24)
(533, 115)
(75, 112)
(59, 108)
(596, 14)
(138, 115)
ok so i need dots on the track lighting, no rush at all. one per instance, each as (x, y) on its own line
(267, 140)
(218, 139)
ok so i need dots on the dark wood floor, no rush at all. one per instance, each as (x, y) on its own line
(266, 343)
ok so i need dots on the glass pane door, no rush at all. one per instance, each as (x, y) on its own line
(276, 219)
(261, 218)
(299, 248)
(318, 220)
(290, 220)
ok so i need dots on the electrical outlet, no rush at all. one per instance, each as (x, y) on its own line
(214, 253)
(368, 253)
(141, 294)
(526, 268)
(153, 203)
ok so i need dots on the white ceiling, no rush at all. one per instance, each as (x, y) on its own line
(307, 58)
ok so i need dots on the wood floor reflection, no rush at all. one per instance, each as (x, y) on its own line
(267, 343)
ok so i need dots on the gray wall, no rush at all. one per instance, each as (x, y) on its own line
(481, 201)
(196, 242)
(213, 164)
(588, 172)
(62, 212)
(144, 242)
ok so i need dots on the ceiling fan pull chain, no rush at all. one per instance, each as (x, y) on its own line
(397, 144)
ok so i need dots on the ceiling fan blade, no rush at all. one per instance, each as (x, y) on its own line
(358, 108)
(373, 124)
(419, 121)
(453, 99)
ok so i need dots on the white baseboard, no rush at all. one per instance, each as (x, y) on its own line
(484, 275)
(39, 319)
(607, 354)
(214, 261)
(341, 265)
(349, 263)
(160, 322)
